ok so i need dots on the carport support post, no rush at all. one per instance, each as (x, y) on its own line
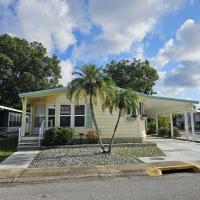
(186, 124)
(156, 123)
(171, 124)
(192, 124)
(24, 104)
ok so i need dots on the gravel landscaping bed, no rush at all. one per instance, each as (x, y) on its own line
(63, 157)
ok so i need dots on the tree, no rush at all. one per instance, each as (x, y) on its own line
(137, 75)
(90, 85)
(124, 101)
(24, 67)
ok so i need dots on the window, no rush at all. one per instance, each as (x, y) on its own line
(51, 115)
(14, 119)
(79, 115)
(65, 115)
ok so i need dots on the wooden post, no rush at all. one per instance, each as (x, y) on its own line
(24, 104)
(171, 125)
(186, 124)
(157, 123)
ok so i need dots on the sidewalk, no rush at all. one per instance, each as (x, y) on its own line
(18, 160)
(175, 150)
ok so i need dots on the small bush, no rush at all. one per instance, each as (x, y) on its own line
(151, 128)
(92, 137)
(163, 132)
(177, 132)
(164, 121)
(58, 136)
(166, 132)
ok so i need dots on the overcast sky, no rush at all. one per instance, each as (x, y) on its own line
(96, 31)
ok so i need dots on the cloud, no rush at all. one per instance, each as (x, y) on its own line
(51, 22)
(186, 46)
(121, 23)
(184, 49)
(66, 71)
(185, 75)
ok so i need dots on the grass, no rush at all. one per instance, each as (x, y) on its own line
(7, 147)
(148, 151)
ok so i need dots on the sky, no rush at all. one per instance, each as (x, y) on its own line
(167, 33)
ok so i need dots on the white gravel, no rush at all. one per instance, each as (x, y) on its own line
(80, 157)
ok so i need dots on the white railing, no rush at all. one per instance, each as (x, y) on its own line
(19, 135)
(41, 132)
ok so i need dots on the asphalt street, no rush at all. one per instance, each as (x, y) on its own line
(179, 186)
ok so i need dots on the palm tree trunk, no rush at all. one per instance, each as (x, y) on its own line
(96, 125)
(115, 129)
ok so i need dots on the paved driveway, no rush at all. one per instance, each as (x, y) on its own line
(175, 150)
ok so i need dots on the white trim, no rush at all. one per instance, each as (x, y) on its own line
(66, 115)
(51, 115)
(72, 119)
(11, 109)
(80, 116)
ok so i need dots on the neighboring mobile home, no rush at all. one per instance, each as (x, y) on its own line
(179, 121)
(52, 108)
(10, 119)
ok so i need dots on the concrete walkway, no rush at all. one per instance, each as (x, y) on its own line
(19, 160)
(175, 150)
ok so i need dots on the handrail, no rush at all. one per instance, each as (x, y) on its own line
(19, 136)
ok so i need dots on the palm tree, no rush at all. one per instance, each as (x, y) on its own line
(90, 84)
(125, 100)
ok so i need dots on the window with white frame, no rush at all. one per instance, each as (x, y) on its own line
(51, 115)
(79, 116)
(65, 115)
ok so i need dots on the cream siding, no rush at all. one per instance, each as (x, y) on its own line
(106, 121)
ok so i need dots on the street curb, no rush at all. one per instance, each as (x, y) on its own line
(41, 175)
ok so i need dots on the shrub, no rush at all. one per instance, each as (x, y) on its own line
(166, 132)
(177, 132)
(92, 137)
(163, 132)
(164, 121)
(151, 128)
(58, 136)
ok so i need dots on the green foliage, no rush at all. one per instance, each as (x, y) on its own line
(177, 132)
(58, 136)
(92, 137)
(151, 127)
(24, 67)
(92, 82)
(164, 121)
(137, 75)
(7, 147)
(125, 100)
(164, 132)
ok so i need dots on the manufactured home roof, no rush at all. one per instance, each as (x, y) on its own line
(63, 89)
(11, 109)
